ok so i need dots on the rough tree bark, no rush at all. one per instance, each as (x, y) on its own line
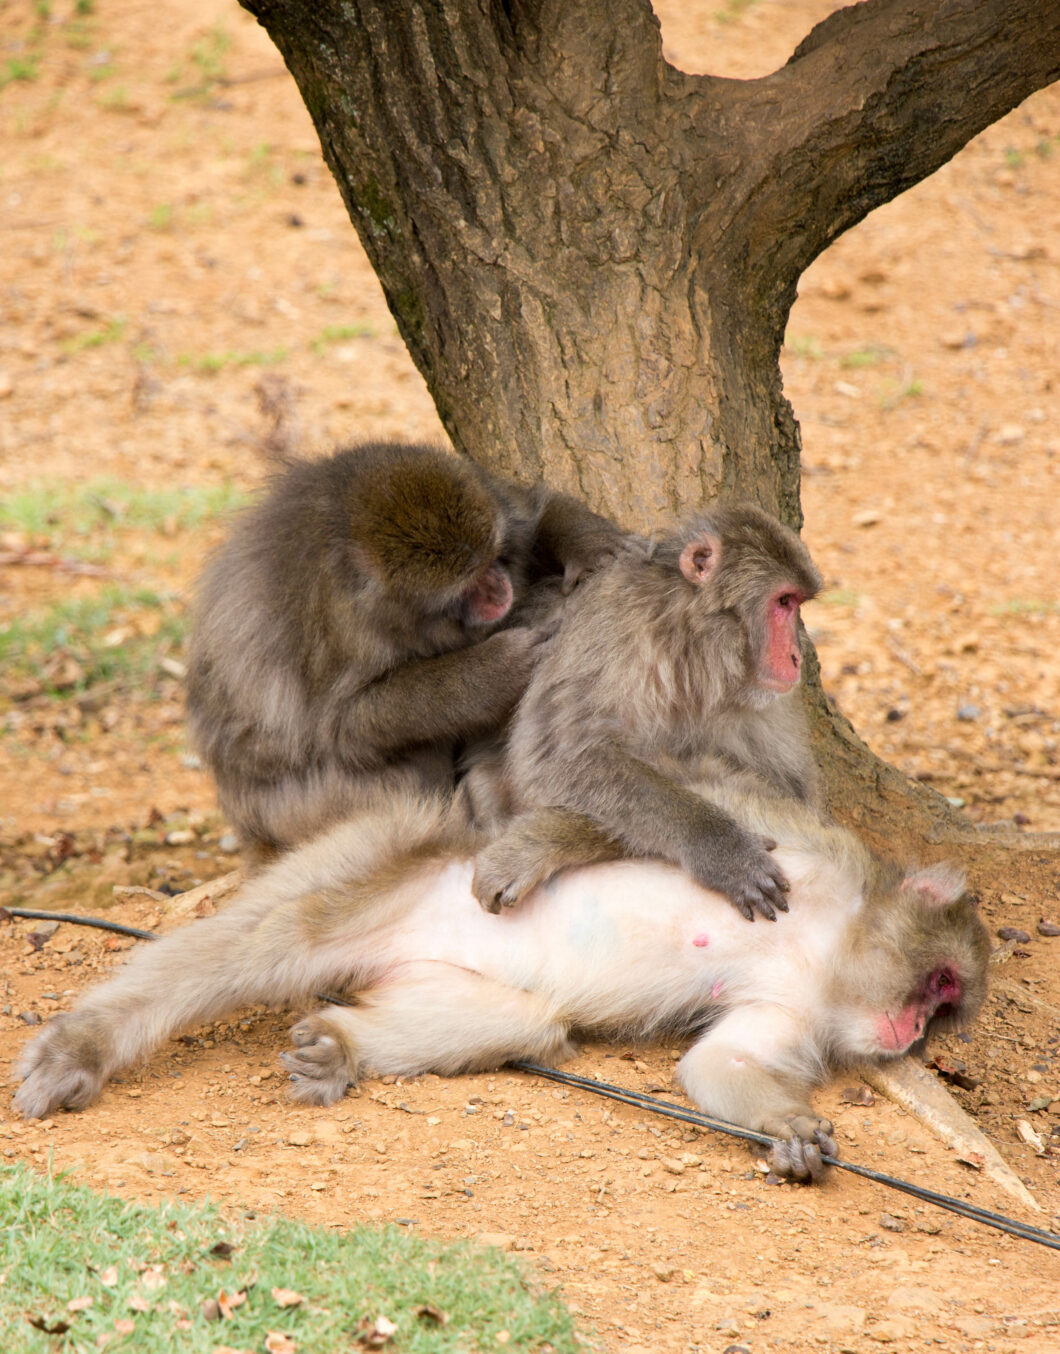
(592, 255)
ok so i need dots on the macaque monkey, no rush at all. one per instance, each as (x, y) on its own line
(678, 662)
(382, 909)
(356, 627)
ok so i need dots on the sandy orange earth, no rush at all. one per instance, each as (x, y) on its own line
(180, 289)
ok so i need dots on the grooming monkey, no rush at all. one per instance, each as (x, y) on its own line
(348, 635)
(676, 663)
(382, 908)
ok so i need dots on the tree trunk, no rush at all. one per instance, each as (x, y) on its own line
(592, 255)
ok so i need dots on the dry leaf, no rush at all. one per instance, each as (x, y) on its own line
(375, 1334)
(228, 1304)
(427, 1311)
(287, 1297)
(278, 1343)
(124, 1326)
(79, 1304)
(1029, 1136)
(139, 1304)
(153, 1277)
(109, 1277)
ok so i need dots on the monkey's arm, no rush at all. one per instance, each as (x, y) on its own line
(576, 539)
(755, 1068)
(614, 797)
(454, 695)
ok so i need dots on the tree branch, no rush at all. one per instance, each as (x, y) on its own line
(876, 98)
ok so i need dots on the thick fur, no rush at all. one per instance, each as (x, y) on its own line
(345, 639)
(653, 682)
(382, 910)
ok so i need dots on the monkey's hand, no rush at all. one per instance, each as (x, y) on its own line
(596, 546)
(65, 1066)
(512, 656)
(577, 539)
(319, 1068)
(733, 861)
(801, 1140)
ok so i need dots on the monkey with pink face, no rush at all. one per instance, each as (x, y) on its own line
(678, 662)
(381, 909)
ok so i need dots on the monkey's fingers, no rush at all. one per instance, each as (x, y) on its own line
(801, 1141)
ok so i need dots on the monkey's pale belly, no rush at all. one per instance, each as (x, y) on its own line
(625, 937)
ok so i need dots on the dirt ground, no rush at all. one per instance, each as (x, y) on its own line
(180, 290)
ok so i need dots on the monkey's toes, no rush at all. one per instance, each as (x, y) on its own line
(319, 1071)
(801, 1143)
(63, 1067)
(494, 891)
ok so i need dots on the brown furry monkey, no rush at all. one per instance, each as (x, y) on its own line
(348, 635)
(679, 661)
(382, 908)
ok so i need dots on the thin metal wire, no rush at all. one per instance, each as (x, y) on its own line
(75, 920)
(668, 1109)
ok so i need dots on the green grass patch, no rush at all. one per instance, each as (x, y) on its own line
(805, 346)
(59, 511)
(1025, 606)
(335, 333)
(868, 356)
(212, 362)
(839, 597)
(119, 634)
(96, 338)
(25, 68)
(79, 1270)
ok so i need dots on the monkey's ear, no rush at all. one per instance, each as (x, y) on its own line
(700, 557)
(936, 885)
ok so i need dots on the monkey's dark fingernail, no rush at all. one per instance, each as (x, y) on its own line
(782, 903)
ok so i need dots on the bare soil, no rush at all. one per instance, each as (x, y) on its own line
(181, 294)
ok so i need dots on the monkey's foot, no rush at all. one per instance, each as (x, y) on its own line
(801, 1140)
(500, 878)
(63, 1067)
(320, 1070)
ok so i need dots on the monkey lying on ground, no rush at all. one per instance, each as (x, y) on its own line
(347, 636)
(382, 909)
(677, 662)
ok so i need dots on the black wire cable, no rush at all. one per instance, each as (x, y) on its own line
(75, 920)
(668, 1109)
(665, 1108)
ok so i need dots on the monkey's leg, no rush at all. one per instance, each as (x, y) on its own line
(534, 847)
(427, 1017)
(254, 951)
(750, 1068)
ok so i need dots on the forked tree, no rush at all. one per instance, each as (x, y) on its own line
(592, 255)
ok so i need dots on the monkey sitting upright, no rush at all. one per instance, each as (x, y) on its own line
(381, 908)
(677, 662)
(347, 636)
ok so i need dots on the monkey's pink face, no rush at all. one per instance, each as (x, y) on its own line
(489, 598)
(940, 995)
(780, 665)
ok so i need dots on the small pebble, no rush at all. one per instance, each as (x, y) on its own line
(891, 1224)
(1048, 928)
(967, 714)
(1012, 933)
(229, 843)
